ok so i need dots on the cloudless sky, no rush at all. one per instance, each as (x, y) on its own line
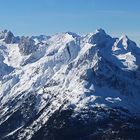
(34, 17)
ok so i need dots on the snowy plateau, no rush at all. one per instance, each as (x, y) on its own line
(69, 87)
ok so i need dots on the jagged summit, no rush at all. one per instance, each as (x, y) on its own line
(124, 37)
(126, 45)
(8, 37)
(101, 31)
(4, 33)
(123, 41)
(63, 82)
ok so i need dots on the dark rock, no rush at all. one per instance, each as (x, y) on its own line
(27, 45)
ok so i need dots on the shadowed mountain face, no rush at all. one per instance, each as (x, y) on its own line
(69, 87)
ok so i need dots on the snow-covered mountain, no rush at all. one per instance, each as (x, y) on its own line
(69, 87)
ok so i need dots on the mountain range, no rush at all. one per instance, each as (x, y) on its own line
(69, 87)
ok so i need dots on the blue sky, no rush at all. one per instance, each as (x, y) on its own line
(28, 17)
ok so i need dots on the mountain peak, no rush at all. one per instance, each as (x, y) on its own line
(99, 37)
(7, 36)
(125, 43)
(100, 30)
(124, 37)
(5, 31)
(72, 34)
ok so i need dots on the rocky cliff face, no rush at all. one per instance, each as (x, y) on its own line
(69, 87)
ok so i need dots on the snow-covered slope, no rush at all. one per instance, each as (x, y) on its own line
(89, 77)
